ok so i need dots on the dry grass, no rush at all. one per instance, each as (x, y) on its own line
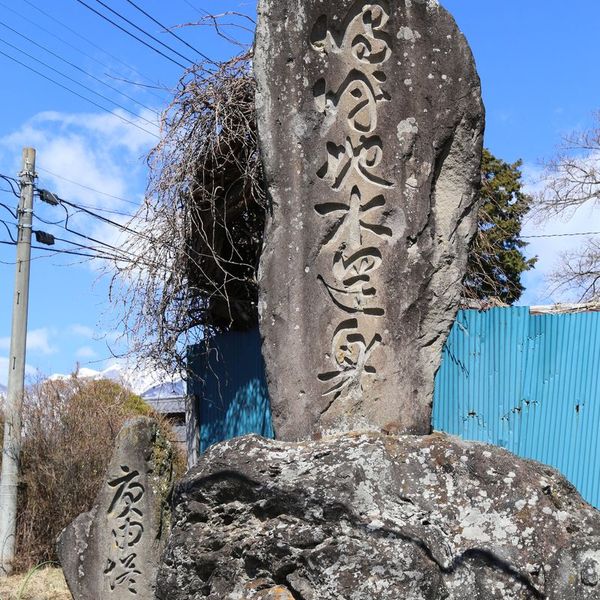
(69, 429)
(41, 584)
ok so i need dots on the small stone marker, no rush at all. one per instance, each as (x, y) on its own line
(113, 551)
(370, 123)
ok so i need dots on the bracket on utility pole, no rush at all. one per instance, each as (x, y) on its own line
(16, 370)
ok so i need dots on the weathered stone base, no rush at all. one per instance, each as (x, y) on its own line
(370, 516)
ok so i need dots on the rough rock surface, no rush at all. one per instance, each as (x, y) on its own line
(370, 124)
(113, 551)
(373, 517)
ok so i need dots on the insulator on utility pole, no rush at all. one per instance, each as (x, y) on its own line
(16, 370)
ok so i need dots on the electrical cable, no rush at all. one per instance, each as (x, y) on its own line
(87, 187)
(58, 251)
(36, 216)
(191, 6)
(114, 114)
(100, 252)
(557, 235)
(108, 211)
(8, 229)
(105, 219)
(168, 30)
(130, 34)
(85, 87)
(141, 30)
(9, 209)
(46, 248)
(88, 41)
(12, 182)
(91, 239)
(70, 252)
(78, 68)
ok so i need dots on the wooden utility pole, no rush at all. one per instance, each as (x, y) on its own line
(16, 370)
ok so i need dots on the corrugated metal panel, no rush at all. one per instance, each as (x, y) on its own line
(229, 386)
(529, 383)
(174, 405)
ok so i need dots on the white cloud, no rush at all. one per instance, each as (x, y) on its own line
(94, 150)
(38, 340)
(532, 178)
(82, 331)
(86, 352)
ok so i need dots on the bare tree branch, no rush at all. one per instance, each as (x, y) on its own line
(571, 180)
(579, 272)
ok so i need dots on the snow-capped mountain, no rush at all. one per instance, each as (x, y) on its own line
(147, 383)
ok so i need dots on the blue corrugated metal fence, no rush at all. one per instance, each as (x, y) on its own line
(529, 383)
(229, 386)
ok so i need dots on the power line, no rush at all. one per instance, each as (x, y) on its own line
(85, 39)
(104, 219)
(6, 224)
(12, 263)
(89, 238)
(108, 211)
(78, 68)
(53, 251)
(168, 30)
(114, 114)
(87, 187)
(141, 30)
(85, 87)
(144, 85)
(82, 52)
(557, 235)
(36, 216)
(100, 253)
(68, 252)
(131, 34)
(191, 5)
(10, 210)
(11, 182)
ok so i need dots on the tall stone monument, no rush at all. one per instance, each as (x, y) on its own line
(370, 121)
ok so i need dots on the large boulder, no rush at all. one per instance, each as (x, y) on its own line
(113, 551)
(370, 123)
(373, 517)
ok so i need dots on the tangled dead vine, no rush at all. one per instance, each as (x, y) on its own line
(201, 225)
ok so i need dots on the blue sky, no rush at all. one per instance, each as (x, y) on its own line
(537, 60)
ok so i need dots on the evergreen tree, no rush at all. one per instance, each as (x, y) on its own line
(496, 259)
